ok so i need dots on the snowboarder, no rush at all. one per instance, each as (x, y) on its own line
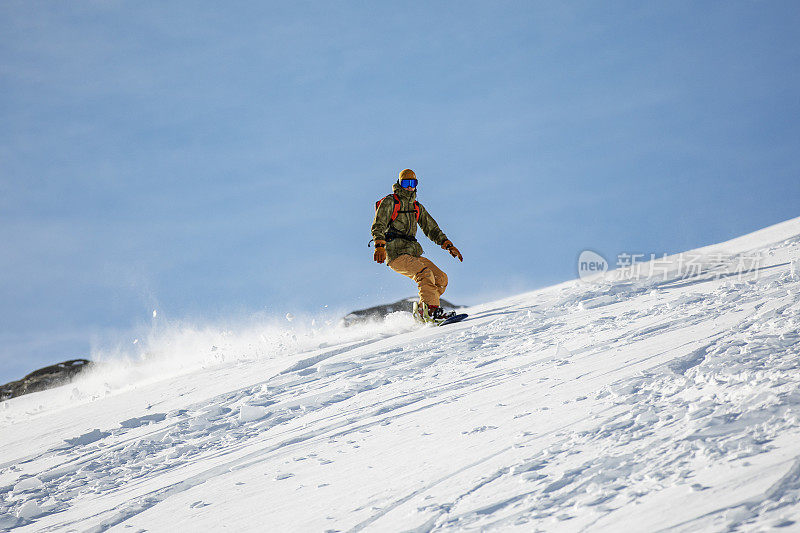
(394, 229)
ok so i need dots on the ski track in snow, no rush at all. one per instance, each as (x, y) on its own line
(663, 404)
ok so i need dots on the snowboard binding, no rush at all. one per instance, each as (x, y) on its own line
(436, 315)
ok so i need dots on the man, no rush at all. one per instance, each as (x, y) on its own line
(394, 229)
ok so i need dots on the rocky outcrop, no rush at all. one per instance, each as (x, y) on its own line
(380, 311)
(44, 378)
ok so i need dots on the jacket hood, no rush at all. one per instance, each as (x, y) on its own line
(402, 193)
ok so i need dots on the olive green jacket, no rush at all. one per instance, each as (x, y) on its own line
(405, 224)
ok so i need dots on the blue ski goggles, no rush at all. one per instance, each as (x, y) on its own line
(409, 183)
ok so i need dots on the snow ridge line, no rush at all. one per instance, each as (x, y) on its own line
(789, 482)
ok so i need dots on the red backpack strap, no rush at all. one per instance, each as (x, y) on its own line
(396, 207)
(416, 208)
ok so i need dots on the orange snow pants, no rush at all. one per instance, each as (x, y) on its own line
(431, 281)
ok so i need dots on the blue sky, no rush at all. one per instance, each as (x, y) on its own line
(216, 160)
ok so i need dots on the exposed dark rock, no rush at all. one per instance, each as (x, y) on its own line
(44, 378)
(380, 311)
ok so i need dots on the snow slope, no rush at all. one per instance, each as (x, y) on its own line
(668, 402)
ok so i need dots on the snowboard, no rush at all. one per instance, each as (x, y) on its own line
(453, 319)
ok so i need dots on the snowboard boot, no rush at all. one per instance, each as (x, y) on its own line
(421, 312)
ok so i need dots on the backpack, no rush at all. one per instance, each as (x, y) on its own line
(396, 209)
